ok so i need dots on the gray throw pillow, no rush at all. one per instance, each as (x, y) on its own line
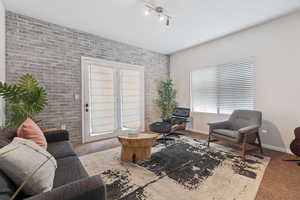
(20, 158)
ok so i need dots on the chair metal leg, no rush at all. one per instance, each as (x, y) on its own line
(259, 143)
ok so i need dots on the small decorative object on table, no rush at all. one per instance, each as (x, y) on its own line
(136, 148)
(132, 132)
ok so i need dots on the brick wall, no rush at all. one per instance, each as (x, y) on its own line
(52, 54)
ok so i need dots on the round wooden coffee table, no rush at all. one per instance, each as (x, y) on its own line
(136, 148)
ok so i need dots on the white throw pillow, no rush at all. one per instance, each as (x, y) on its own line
(21, 158)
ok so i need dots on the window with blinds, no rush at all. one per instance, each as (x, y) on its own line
(130, 83)
(223, 88)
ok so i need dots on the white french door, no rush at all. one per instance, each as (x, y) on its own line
(113, 98)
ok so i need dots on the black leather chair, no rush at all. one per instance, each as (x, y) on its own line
(177, 122)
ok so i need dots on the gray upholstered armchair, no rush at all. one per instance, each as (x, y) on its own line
(242, 127)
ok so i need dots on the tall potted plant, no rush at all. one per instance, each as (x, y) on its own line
(166, 98)
(24, 99)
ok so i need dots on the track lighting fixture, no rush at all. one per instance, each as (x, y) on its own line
(159, 11)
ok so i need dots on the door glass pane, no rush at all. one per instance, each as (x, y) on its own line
(130, 89)
(102, 104)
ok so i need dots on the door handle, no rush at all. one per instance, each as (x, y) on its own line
(86, 105)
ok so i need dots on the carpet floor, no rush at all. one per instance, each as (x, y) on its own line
(280, 181)
(185, 169)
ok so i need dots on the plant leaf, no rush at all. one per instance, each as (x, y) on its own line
(24, 99)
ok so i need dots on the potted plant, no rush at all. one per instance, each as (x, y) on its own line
(24, 99)
(166, 99)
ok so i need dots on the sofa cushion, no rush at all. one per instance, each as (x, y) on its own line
(57, 135)
(227, 134)
(9, 133)
(7, 187)
(243, 118)
(3, 142)
(20, 158)
(69, 169)
(6, 136)
(61, 149)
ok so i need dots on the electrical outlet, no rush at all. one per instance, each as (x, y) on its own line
(63, 127)
(264, 131)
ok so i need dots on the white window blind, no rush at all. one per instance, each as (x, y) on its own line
(102, 100)
(224, 88)
(130, 82)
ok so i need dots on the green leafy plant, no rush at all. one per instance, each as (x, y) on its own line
(24, 99)
(167, 98)
(2, 127)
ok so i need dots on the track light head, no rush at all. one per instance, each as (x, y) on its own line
(168, 21)
(147, 11)
(161, 17)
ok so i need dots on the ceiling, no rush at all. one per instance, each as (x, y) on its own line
(194, 21)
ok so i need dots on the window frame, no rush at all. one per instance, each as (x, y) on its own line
(250, 59)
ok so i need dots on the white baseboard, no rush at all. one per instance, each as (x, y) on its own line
(267, 146)
(280, 149)
(199, 131)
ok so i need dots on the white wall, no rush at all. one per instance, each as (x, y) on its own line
(2, 55)
(276, 49)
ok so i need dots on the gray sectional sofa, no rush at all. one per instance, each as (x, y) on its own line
(71, 180)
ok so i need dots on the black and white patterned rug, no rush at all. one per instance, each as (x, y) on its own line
(185, 169)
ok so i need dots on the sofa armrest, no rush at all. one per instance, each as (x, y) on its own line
(249, 129)
(218, 125)
(56, 136)
(91, 188)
